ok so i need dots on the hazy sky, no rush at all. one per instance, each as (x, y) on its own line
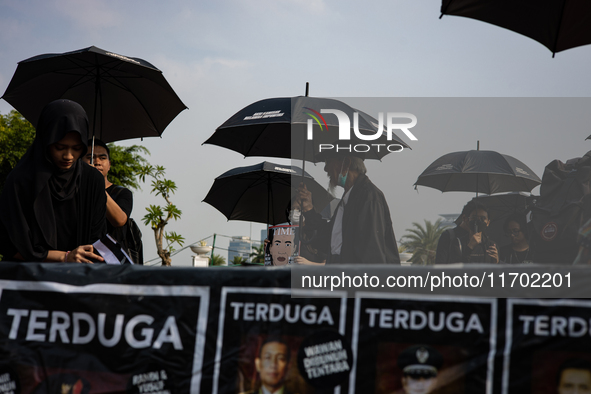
(221, 56)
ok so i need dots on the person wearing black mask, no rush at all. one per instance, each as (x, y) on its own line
(53, 204)
(467, 242)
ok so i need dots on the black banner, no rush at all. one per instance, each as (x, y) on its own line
(73, 328)
(548, 348)
(418, 344)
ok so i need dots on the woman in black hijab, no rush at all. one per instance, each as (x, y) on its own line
(53, 204)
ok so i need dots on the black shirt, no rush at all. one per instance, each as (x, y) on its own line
(124, 198)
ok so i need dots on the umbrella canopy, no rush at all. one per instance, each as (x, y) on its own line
(278, 127)
(478, 171)
(261, 193)
(556, 24)
(124, 97)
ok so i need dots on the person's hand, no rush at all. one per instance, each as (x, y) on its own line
(475, 239)
(83, 254)
(303, 261)
(493, 253)
(305, 197)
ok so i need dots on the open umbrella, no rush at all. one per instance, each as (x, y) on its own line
(124, 97)
(278, 127)
(556, 24)
(500, 207)
(261, 193)
(478, 171)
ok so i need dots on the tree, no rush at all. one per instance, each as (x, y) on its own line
(422, 242)
(159, 216)
(217, 260)
(16, 135)
(258, 254)
(126, 163)
(238, 260)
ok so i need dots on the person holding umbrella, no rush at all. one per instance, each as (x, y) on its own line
(467, 242)
(53, 205)
(360, 231)
(119, 198)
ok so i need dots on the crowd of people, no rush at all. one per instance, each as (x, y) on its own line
(56, 207)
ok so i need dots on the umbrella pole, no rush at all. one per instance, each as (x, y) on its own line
(304, 160)
(92, 152)
(477, 148)
(97, 83)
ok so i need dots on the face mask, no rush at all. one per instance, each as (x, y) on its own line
(342, 179)
(477, 226)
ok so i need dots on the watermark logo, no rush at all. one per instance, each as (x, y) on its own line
(345, 130)
(315, 115)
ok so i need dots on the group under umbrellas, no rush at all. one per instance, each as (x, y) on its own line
(488, 172)
(289, 128)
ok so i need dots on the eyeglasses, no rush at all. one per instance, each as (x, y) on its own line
(481, 218)
(515, 231)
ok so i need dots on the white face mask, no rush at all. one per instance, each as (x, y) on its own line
(294, 216)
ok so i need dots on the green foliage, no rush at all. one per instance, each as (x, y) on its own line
(217, 260)
(422, 242)
(238, 260)
(16, 135)
(159, 216)
(258, 254)
(126, 162)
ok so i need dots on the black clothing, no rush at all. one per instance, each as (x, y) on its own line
(453, 248)
(124, 198)
(509, 256)
(44, 207)
(368, 236)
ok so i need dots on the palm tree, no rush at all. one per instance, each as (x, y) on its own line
(422, 242)
(238, 260)
(217, 260)
(258, 254)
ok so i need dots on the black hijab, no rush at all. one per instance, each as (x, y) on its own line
(27, 209)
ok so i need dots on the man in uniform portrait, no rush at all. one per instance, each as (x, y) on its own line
(420, 365)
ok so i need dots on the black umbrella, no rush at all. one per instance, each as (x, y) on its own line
(278, 127)
(500, 207)
(261, 193)
(556, 24)
(479, 171)
(124, 97)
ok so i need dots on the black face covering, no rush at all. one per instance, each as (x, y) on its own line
(477, 226)
(27, 209)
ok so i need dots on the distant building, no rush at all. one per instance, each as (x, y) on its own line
(263, 235)
(448, 219)
(239, 246)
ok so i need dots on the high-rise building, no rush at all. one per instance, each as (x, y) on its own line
(239, 246)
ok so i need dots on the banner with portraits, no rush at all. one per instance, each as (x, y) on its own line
(548, 346)
(69, 328)
(415, 344)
